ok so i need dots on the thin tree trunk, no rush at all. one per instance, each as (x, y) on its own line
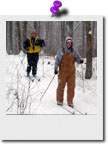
(69, 25)
(18, 35)
(24, 33)
(9, 43)
(37, 27)
(62, 33)
(88, 73)
(24, 30)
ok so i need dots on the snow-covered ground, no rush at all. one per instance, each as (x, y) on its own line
(23, 96)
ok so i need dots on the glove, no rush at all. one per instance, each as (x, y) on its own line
(55, 72)
(81, 61)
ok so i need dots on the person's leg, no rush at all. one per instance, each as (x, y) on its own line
(70, 89)
(35, 61)
(29, 60)
(61, 85)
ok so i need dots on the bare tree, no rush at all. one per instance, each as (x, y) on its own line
(24, 33)
(37, 26)
(53, 32)
(89, 39)
(18, 35)
(62, 32)
(9, 42)
(69, 25)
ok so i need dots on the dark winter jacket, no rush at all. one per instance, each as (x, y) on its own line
(33, 45)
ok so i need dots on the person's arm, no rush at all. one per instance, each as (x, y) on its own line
(58, 60)
(77, 57)
(26, 44)
(41, 43)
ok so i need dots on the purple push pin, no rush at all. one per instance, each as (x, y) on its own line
(55, 9)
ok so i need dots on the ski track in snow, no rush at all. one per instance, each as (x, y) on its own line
(23, 96)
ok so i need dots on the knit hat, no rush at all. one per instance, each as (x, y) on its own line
(68, 39)
(33, 31)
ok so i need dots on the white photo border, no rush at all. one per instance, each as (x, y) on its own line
(51, 127)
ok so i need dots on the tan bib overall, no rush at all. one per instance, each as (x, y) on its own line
(66, 75)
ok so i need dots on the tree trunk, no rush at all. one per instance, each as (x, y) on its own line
(24, 33)
(62, 33)
(54, 34)
(69, 25)
(18, 35)
(89, 46)
(24, 30)
(9, 43)
(15, 38)
(37, 27)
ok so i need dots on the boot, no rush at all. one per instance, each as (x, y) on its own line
(71, 105)
(34, 76)
(28, 75)
(59, 103)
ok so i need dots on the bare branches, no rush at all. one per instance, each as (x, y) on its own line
(26, 102)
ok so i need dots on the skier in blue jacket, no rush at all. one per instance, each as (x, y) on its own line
(65, 61)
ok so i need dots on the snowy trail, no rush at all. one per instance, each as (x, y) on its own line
(23, 96)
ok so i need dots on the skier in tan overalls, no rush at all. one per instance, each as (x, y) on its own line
(65, 60)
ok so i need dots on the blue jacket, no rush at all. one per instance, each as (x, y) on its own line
(61, 52)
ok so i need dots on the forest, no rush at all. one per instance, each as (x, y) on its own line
(54, 34)
(23, 95)
(84, 34)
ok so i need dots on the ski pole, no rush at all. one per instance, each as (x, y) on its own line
(47, 88)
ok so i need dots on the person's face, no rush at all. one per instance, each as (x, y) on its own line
(68, 44)
(33, 35)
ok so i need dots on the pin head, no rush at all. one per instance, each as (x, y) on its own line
(55, 8)
(54, 11)
(57, 4)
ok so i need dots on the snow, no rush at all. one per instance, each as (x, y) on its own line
(90, 32)
(23, 96)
